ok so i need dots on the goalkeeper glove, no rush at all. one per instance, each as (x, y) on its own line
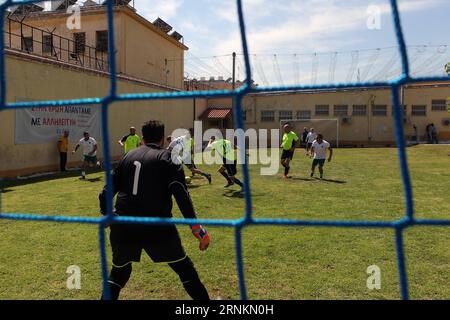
(202, 235)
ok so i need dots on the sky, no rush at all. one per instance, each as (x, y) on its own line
(307, 41)
(283, 36)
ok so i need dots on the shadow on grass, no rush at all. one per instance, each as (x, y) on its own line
(44, 178)
(193, 186)
(94, 179)
(234, 194)
(317, 179)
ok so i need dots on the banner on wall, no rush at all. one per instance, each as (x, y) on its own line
(46, 124)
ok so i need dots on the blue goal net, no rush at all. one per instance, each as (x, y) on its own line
(237, 95)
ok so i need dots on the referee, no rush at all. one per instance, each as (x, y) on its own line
(145, 181)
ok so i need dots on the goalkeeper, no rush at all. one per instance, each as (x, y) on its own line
(145, 181)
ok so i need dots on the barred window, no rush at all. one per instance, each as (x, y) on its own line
(27, 44)
(359, 110)
(341, 110)
(285, 115)
(322, 110)
(419, 110)
(79, 39)
(47, 43)
(379, 110)
(438, 105)
(267, 116)
(102, 41)
(405, 110)
(304, 114)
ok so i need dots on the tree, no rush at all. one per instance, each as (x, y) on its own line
(447, 68)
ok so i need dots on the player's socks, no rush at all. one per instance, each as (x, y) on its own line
(189, 277)
(312, 174)
(286, 170)
(238, 182)
(118, 278)
(226, 176)
(207, 176)
(114, 291)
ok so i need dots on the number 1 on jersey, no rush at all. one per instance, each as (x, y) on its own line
(136, 177)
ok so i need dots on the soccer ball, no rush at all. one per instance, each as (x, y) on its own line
(188, 180)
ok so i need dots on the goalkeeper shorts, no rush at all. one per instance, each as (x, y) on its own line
(162, 244)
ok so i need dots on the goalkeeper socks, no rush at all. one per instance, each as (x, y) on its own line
(189, 277)
(118, 278)
(196, 290)
(114, 291)
(238, 182)
(226, 176)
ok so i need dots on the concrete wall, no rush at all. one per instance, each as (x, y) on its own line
(40, 80)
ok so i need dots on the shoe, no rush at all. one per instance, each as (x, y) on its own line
(312, 175)
(229, 184)
(82, 178)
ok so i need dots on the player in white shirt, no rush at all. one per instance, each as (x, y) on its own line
(182, 149)
(89, 146)
(310, 138)
(319, 149)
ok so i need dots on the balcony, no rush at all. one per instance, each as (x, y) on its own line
(25, 38)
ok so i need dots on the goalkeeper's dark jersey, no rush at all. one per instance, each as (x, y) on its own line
(145, 180)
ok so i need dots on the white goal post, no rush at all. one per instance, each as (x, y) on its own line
(328, 127)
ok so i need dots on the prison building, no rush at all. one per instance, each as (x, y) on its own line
(46, 60)
(355, 117)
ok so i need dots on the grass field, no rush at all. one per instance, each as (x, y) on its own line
(280, 262)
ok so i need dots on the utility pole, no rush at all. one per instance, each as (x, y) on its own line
(234, 70)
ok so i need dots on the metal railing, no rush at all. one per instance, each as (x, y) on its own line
(32, 40)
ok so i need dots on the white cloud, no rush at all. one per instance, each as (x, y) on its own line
(166, 9)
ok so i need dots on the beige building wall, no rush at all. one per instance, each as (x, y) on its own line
(40, 80)
(368, 129)
(143, 51)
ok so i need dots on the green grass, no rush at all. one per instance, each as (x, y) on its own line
(280, 262)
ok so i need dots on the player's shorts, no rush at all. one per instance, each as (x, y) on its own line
(287, 154)
(90, 159)
(161, 243)
(230, 167)
(320, 162)
(309, 145)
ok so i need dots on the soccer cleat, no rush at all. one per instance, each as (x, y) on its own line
(202, 235)
(82, 178)
(312, 174)
(229, 184)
